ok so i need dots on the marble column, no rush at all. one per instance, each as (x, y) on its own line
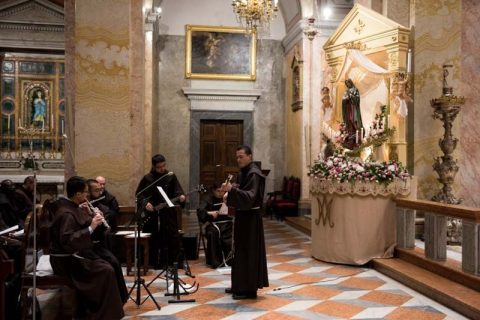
(69, 87)
(109, 94)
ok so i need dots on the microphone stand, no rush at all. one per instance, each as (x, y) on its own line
(139, 282)
(30, 132)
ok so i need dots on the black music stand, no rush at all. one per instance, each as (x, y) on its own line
(172, 272)
(138, 216)
(139, 282)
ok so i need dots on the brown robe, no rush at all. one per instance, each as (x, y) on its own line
(95, 272)
(219, 236)
(249, 268)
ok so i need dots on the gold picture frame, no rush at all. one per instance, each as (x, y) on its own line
(225, 53)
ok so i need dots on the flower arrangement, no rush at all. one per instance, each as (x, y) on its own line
(342, 168)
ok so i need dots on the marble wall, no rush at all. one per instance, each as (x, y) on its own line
(172, 131)
(469, 133)
(109, 93)
(437, 39)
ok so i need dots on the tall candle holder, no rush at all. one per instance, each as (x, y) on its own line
(446, 108)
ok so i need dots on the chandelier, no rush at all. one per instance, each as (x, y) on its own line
(255, 14)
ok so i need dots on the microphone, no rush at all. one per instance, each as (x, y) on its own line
(154, 182)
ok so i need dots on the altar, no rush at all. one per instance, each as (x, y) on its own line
(353, 223)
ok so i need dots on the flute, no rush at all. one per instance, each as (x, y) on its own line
(93, 210)
(98, 199)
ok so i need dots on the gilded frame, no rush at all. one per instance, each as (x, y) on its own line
(225, 53)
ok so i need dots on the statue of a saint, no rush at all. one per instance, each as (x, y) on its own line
(39, 107)
(351, 115)
(326, 104)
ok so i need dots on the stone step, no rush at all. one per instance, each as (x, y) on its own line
(447, 292)
(301, 223)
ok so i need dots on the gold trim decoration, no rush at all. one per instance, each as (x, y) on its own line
(355, 45)
(360, 26)
(393, 60)
(209, 51)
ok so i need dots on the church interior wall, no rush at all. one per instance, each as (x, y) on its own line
(172, 128)
(174, 115)
(437, 40)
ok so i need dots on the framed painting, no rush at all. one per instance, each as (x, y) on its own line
(226, 53)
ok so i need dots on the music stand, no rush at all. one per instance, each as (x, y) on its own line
(139, 282)
(172, 273)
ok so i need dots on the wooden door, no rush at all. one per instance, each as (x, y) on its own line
(218, 143)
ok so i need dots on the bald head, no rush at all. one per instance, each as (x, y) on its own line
(102, 182)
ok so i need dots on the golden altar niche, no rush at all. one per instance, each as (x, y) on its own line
(32, 119)
(354, 222)
(32, 110)
(371, 50)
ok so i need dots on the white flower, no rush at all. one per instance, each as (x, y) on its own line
(359, 168)
(329, 163)
(391, 168)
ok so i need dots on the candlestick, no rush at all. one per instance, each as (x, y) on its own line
(51, 122)
(409, 61)
(63, 129)
(356, 137)
(8, 123)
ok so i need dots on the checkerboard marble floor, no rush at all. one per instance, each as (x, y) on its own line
(300, 288)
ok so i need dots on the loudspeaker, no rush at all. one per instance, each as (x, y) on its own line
(189, 242)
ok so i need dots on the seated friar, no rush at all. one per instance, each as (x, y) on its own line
(77, 252)
(218, 229)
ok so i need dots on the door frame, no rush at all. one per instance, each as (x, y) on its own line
(195, 118)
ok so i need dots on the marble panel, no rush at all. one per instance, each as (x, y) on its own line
(437, 41)
(469, 173)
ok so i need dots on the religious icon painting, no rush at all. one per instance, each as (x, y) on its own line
(209, 52)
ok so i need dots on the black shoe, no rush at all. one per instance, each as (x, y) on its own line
(242, 296)
(228, 290)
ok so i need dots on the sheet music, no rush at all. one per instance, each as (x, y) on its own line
(19, 233)
(7, 231)
(164, 195)
(223, 210)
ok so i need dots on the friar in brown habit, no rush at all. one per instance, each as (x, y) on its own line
(249, 267)
(77, 252)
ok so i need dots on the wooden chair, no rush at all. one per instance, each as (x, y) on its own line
(144, 241)
(285, 202)
(47, 279)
